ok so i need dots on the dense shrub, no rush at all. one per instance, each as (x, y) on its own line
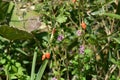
(59, 40)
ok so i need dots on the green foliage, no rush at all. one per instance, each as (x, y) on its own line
(31, 28)
(3, 10)
(61, 18)
(41, 70)
(112, 15)
(13, 33)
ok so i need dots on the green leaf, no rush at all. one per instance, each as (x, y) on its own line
(75, 63)
(13, 33)
(88, 52)
(33, 65)
(117, 40)
(61, 18)
(87, 67)
(14, 69)
(90, 38)
(2, 46)
(21, 51)
(3, 61)
(3, 39)
(62, 79)
(74, 71)
(3, 10)
(17, 64)
(112, 15)
(11, 6)
(98, 12)
(20, 71)
(113, 60)
(41, 70)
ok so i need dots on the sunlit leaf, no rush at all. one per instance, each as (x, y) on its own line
(117, 40)
(112, 15)
(3, 10)
(61, 18)
(14, 33)
(41, 70)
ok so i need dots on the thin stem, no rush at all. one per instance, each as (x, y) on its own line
(79, 68)
(118, 57)
(110, 71)
(79, 12)
(56, 67)
(67, 65)
(8, 75)
(73, 21)
(33, 65)
(38, 43)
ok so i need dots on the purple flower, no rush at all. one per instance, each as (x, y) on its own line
(60, 38)
(78, 32)
(81, 49)
(54, 78)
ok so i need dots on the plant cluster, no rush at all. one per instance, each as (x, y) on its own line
(59, 40)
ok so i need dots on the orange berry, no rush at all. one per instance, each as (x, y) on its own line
(47, 55)
(53, 31)
(83, 25)
(73, 1)
(43, 57)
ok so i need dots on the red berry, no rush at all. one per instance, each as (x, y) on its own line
(47, 55)
(73, 1)
(83, 25)
(43, 57)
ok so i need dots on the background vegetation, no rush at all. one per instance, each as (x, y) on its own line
(59, 40)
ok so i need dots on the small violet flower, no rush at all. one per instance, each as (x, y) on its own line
(54, 78)
(81, 49)
(60, 38)
(78, 32)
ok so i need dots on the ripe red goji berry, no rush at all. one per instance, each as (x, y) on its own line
(43, 57)
(47, 55)
(83, 25)
(73, 1)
